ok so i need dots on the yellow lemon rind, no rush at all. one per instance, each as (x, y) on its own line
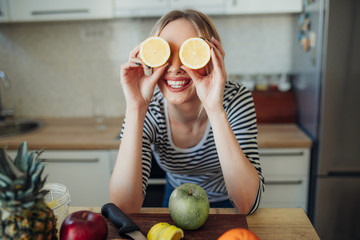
(155, 230)
(170, 232)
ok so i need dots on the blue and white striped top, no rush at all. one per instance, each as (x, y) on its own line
(200, 164)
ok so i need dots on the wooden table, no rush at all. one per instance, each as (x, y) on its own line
(267, 223)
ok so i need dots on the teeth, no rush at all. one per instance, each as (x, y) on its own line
(176, 84)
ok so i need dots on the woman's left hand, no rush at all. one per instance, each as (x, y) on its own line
(210, 88)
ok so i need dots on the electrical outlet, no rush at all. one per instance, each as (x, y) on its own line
(95, 34)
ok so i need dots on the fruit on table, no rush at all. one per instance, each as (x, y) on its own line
(171, 233)
(24, 214)
(165, 231)
(238, 234)
(154, 51)
(189, 206)
(155, 230)
(84, 225)
(194, 53)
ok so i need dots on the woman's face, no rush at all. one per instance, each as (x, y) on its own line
(175, 84)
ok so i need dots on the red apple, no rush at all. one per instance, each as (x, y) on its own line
(84, 225)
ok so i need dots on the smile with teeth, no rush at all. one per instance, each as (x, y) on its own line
(177, 84)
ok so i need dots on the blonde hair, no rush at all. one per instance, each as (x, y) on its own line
(201, 22)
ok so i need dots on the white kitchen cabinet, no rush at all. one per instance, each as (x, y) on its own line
(4, 11)
(286, 173)
(263, 6)
(142, 8)
(214, 7)
(85, 173)
(157, 8)
(52, 10)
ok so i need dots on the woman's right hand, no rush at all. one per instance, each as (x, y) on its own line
(137, 86)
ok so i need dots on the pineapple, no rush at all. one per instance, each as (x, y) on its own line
(23, 212)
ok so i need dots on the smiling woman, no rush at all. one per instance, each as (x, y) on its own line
(197, 126)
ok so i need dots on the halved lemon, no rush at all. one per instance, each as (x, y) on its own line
(155, 230)
(154, 51)
(171, 233)
(194, 53)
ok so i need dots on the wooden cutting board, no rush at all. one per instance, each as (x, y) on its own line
(215, 225)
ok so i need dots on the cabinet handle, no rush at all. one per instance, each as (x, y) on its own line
(68, 160)
(64, 11)
(281, 154)
(157, 181)
(285, 182)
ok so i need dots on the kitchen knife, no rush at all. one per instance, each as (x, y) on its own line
(124, 223)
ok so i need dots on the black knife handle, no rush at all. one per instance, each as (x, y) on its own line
(119, 219)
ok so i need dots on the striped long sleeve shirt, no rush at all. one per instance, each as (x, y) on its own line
(200, 164)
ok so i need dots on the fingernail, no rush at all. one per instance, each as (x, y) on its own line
(168, 65)
(208, 40)
(202, 38)
(138, 64)
(148, 67)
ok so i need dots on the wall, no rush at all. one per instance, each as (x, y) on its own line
(71, 69)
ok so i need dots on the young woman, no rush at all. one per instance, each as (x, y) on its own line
(198, 127)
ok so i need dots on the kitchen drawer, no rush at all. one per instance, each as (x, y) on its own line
(286, 173)
(284, 161)
(52, 10)
(263, 6)
(302, 205)
(286, 189)
(85, 173)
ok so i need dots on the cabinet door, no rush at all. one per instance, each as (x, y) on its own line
(85, 173)
(4, 11)
(205, 6)
(140, 8)
(286, 173)
(49, 10)
(263, 6)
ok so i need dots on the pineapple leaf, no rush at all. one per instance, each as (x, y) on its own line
(7, 166)
(5, 181)
(21, 159)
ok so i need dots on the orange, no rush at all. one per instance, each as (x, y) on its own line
(194, 53)
(154, 51)
(238, 234)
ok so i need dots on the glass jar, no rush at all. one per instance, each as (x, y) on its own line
(58, 199)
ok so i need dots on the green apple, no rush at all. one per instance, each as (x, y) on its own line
(189, 206)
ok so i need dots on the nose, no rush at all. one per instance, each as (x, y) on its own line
(175, 64)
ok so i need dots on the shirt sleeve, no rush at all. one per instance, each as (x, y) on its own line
(240, 108)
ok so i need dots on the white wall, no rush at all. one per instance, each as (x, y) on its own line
(64, 69)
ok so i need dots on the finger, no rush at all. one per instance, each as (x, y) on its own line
(215, 56)
(218, 45)
(138, 62)
(129, 65)
(195, 76)
(218, 62)
(134, 52)
(157, 73)
(127, 69)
